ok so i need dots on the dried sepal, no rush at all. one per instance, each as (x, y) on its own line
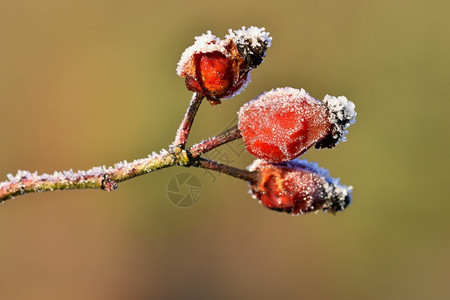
(341, 115)
(252, 44)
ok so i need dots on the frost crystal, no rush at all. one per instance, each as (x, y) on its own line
(252, 43)
(342, 115)
(254, 36)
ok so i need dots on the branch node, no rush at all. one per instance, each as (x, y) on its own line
(21, 186)
(108, 184)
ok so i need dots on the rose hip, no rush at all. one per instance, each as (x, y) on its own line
(282, 124)
(298, 187)
(218, 69)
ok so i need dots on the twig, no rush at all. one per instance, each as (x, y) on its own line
(185, 126)
(252, 177)
(96, 178)
(227, 136)
(25, 182)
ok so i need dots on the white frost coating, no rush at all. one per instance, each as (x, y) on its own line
(297, 163)
(312, 167)
(255, 165)
(205, 43)
(285, 98)
(253, 35)
(342, 115)
(10, 177)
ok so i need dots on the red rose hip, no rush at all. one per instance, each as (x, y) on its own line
(218, 69)
(282, 124)
(298, 187)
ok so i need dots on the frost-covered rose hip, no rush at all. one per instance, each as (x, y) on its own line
(298, 187)
(218, 69)
(282, 124)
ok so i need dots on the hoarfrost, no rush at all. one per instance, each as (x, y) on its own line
(254, 36)
(10, 177)
(342, 115)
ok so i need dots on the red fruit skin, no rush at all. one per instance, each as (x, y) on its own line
(216, 72)
(282, 124)
(291, 190)
(215, 75)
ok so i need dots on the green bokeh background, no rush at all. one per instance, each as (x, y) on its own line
(86, 83)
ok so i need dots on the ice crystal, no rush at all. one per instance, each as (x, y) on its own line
(254, 36)
(342, 115)
(252, 43)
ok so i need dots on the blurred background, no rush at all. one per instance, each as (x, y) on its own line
(88, 83)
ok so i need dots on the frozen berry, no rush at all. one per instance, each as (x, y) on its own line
(219, 69)
(298, 187)
(282, 124)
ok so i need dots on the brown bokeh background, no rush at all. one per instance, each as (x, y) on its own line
(86, 83)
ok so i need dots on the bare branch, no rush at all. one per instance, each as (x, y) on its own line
(252, 177)
(186, 124)
(96, 178)
(227, 136)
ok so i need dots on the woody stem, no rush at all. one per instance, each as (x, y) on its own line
(252, 177)
(96, 178)
(186, 124)
(227, 136)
